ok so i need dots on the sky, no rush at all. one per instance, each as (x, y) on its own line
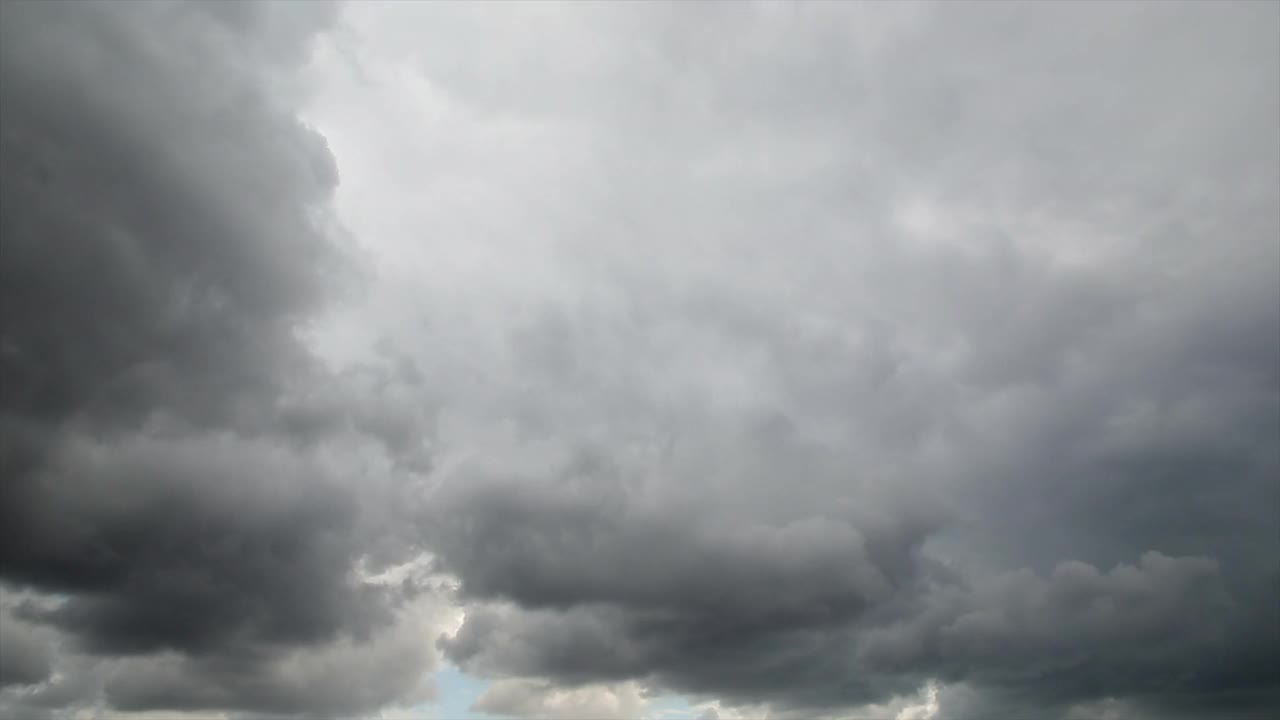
(639, 361)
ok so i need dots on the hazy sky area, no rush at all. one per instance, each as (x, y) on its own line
(648, 361)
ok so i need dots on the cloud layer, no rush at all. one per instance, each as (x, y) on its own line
(865, 354)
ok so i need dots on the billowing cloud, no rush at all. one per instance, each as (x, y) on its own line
(910, 360)
(189, 492)
(864, 348)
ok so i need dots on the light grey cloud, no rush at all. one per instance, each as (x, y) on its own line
(26, 653)
(754, 353)
(531, 699)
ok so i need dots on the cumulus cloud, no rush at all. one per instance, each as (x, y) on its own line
(341, 679)
(188, 489)
(865, 348)
(914, 360)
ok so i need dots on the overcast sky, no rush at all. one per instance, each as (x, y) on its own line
(608, 361)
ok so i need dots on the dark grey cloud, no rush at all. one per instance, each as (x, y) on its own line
(172, 529)
(1157, 626)
(191, 496)
(200, 204)
(349, 678)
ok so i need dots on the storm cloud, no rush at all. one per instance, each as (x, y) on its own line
(182, 476)
(803, 360)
